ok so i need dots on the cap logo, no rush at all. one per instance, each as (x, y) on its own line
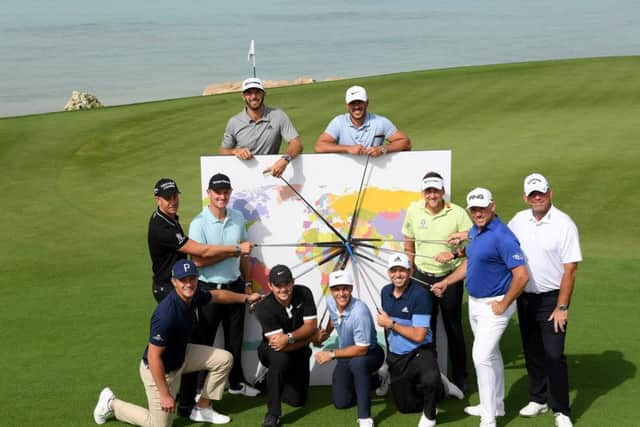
(186, 267)
(476, 196)
(534, 181)
(167, 185)
(397, 259)
(220, 181)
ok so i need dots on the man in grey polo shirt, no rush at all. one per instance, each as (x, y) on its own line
(259, 129)
(360, 132)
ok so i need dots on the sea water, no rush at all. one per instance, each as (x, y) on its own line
(127, 51)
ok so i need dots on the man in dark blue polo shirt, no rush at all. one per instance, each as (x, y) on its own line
(288, 319)
(416, 382)
(169, 354)
(496, 275)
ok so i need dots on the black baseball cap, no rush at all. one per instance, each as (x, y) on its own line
(165, 187)
(280, 274)
(219, 181)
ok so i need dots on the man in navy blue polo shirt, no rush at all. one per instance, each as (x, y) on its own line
(358, 353)
(288, 319)
(496, 275)
(169, 354)
(416, 382)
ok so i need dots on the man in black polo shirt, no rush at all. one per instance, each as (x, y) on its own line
(288, 319)
(168, 243)
(169, 354)
(416, 381)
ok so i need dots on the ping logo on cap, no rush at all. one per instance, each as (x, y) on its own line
(476, 196)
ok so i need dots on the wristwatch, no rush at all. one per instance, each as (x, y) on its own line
(384, 149)
(455, 254)
(290, 338)
(287, 158)
(238, 251)
(563, 307)
(333, 355)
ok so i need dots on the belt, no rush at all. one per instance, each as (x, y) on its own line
(434, 276)
(213, 285)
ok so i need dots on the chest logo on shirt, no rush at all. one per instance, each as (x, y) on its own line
(423, 223)
(405, 309)
(158, 337)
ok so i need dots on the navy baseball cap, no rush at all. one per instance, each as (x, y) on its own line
(184, 268)
(280, 274)
(165, 187)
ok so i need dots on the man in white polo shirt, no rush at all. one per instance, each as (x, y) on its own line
(550, 242)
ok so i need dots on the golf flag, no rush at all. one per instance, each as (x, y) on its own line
(252, 53)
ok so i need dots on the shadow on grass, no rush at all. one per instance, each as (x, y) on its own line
(319, 398)
(583, 380)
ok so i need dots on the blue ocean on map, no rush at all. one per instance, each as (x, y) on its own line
(135, 51)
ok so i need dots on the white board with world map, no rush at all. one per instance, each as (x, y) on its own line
(331, 184)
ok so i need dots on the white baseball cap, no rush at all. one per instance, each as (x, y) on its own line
(252, 82)
(535, 182)
(340, 278)
(479, 198)
(355, 93)
(398, 260)
(433, 182)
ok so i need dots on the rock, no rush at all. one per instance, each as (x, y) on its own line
(82, 101)
(216, 88)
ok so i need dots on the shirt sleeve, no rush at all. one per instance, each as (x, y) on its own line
(571, 251)
(333, 128)
(388, 127)
(202, 297)
(465, 223)
(421, 314)
(407, 225)
(196, 231)
(287, 131)
(160, 330)
(309, 305)
(267, 320)
(362, 329)
(229, 139)
(509, 250)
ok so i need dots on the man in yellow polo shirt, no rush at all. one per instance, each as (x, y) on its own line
(426, 228)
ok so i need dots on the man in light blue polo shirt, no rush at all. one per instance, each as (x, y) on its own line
(360, 132)
(225, 226)
(358, 354)
(496, 275)
(416, 382)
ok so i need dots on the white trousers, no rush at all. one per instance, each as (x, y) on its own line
(487, 330)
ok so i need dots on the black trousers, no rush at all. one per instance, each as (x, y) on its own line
(451, 306)
(415, 381)
(160, 290)
(287, 377)
(209, 318)
(544, 351)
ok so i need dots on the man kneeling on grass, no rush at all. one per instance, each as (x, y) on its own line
(359, 356)
(168, 355)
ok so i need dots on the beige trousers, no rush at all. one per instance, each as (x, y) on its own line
(198, 358)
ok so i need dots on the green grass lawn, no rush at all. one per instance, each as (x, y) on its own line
(77, 195)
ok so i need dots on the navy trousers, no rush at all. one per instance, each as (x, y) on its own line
(544, 351)
(352, 381)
